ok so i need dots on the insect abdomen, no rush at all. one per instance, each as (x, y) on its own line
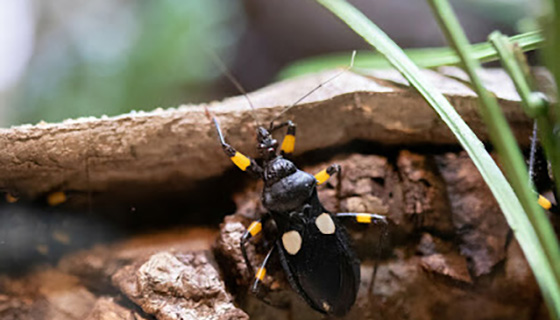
(324, 271)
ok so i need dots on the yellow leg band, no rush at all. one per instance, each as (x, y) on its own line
(543, 202)
(322, 176)
(241, 161)
(289, 143)
(56, 198)
(260, 274)
(254, 228)
(363, 218)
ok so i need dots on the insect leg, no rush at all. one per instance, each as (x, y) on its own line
(547, 205)
(368, 218)
(338, 188)
(259, 276)
(325, 174)
(533, 152)
(364, 217)
(542, 201)
(289, 142)
(253, 230)
(240, 160)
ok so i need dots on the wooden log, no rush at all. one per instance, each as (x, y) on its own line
(180, 145)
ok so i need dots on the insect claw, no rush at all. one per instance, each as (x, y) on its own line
(380, 218)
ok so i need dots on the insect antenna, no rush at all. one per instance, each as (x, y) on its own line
(533, 152)
(218, 129)
(236, 83)
(315, 89)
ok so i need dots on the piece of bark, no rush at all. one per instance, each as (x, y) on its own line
(96, 266)
(478, 220)
(453, 266)
(424, 273)
(180, 145)
(425, 200)
(228, 254)
(47, 294)
(68, 291)
(430, 244)
(181, 286)
(106, 308)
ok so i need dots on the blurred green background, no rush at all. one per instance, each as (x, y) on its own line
(64, 59)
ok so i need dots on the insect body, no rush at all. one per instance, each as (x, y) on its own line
(312, 245)
(541, 200)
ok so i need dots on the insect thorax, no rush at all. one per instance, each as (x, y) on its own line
(286, 188)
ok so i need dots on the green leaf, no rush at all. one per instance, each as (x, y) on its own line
(424, 58)
(552, 33)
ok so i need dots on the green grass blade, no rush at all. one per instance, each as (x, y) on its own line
(424, 57)
(502, 191)
(552, 48)
(547, 267)
(533, 103)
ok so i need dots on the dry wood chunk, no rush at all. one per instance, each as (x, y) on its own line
(480, 224)
(443, 258)
(47, 294)
(453, 266)
(183, 286)
(96, 266)
(178, 144)
(425, 201)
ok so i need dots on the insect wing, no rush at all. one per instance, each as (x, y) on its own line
(325, 271)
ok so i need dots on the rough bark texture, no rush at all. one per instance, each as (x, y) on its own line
(171, 148)
(172, 269)
(96, 266)
(48, 294)
(440, 261)
(177, 287)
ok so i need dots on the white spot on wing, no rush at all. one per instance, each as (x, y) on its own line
(325, 224)
(291, 241)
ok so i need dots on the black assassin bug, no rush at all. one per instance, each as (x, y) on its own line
(312, 245)
(541, 200)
